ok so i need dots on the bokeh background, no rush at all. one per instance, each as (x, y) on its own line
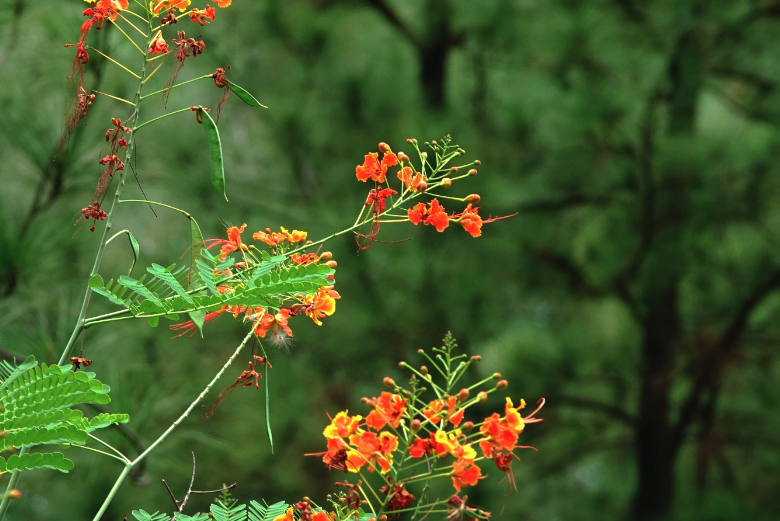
(637, 289)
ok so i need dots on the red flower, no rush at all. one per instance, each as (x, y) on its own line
(388, 408)
(202, 16)
(446, 408)
(433, 215)
(412, 180)
(170, 4)
(271, 239)
(400, 498)
(159, 46)
(373, 169)
(378, 197)
(465, 473)
(192, 328)
(233, 242)
(471, 221)
(273, 322)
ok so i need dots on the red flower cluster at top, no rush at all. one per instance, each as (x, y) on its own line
(414, 184)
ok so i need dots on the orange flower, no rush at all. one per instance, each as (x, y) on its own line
(433, 215)
(471, 221)
(445, 408)
(388, 408)
(342, 425)
(410, 179)
(202, 17)
(305, 259)
(222, 3)
(287, 516)
(159, 46)
(499, 436)
(321, 304)
(422, 446)
(373, 169)
(372, 450)
(271, 239)
(108, 8)
(320, 516)
(269, 321)
(233, 242)
(465, 473)
(181, 5)
(513, 418)
(295, 236)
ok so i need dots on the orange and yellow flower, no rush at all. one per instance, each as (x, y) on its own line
(159, 5)
(388, 408)
(159, 46)
(410, 179)
(321, 304)
(204, 16)
(471, 221)
(450, 444)
(295, 236)
(222, 3)
(287, 516)
(270, 238)
(274, 322)
(342, 426)
(371, 450)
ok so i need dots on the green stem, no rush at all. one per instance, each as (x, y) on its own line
(144, 201)
(142, 125)
(170, 429)
(176, 86)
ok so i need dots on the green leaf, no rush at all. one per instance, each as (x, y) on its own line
(143, 515)
(245, 96)
(52, 460)
(215, 149)
(169, 279)
(258, 512)
(136, 251)
(25, 366)
(196, 241)
(153, 321)
(198, 317)
(178, 516)
(136, 286)
(222, 512)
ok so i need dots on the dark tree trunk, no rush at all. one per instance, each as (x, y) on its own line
(655, 454)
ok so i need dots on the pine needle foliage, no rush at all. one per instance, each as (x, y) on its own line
(37, 401)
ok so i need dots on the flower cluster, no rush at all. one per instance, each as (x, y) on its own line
(433, 174)
(287, 248)
(403, 429)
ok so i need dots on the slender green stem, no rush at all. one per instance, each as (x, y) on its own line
(131, 40)
(142, 125)
(144, 201)
(99, 452)
(173, 426)
(114, 97)
(113, 491)
(109, 58)
(131, 24)
(177, 85)
(105, 444)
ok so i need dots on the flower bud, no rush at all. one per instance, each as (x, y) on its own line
(326, 256)
(473, 172)
(420, 351)
(468, 426)
(446, 182)
(437, 149)
(472, 198)
(454, 169)
(342, 501)
(434, 142)
(421, 186)
(305, 498)
(401, 364)
(477, 162)
(496, 376)
(476, 358)
(482, 396)
(364, 400)
(13, 494)
(332, 264)
(384, 147)
(427, 143)
(403, 158)
(463, 395)
(416, 425)
(383, 518)
(3, 434)
(501, 385)
(425, 155)
(409, 141)
(388, 382)
(423, 370)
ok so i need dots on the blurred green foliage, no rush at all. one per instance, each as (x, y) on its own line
(636, 290)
